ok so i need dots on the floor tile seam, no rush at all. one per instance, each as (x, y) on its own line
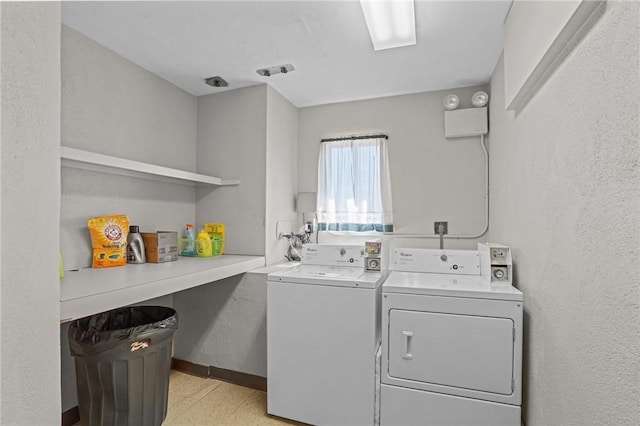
(200, 393)
(244, 401)
(201, 405)
(216, 386)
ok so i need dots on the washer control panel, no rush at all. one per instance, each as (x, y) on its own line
(332, 255)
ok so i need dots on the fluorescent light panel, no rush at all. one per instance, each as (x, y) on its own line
(391, 23)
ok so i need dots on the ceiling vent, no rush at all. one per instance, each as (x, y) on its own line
(268, 72)
(216, 81)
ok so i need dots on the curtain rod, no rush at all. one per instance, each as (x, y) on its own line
(349, 138)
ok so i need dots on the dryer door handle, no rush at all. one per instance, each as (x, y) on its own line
(406, 344)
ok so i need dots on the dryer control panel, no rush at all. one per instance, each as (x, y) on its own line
(460, 262)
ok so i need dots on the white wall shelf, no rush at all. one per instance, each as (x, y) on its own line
(90, 291)
(538, 36)
(85, 160)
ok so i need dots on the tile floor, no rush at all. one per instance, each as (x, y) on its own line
(197, 401)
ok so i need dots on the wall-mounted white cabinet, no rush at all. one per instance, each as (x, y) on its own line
(85, 160)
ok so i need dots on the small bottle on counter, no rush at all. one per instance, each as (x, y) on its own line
(135, 246)
(190, 240)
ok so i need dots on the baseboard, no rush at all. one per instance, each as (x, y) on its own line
(70, 417)
(235, 377)
(190, 368)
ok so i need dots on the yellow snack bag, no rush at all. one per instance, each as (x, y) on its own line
(109, 240)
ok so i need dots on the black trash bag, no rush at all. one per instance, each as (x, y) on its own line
(101, 332)
(123, 362)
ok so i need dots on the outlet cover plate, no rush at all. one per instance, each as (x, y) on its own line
(436, 225)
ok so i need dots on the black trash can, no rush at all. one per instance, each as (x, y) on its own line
(123, 362)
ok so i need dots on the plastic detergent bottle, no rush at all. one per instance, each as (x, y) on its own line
(190, 243)
(135, 246)
(204, 248)
(216, 243)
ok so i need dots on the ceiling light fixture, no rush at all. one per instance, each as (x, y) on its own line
(277, 69)
(391, 23)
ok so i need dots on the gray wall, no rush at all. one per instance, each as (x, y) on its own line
(30, 201)
(281, 173)
(227, 324)
(249, 134)
(232, 129)
(432, 178)
(565, 188)
(114, 107)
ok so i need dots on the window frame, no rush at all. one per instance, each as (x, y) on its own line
(357, 166)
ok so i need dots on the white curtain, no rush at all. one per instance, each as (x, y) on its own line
(354, 186)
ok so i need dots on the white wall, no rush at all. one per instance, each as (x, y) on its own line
(30, 188)
(114, 107)
(231, 144)
(281, 172)
(565, 191)
(432, 178)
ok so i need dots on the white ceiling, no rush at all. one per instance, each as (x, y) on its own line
(184, 42)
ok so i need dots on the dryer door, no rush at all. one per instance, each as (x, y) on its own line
(460, 351)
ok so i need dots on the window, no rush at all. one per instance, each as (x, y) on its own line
(354, 187)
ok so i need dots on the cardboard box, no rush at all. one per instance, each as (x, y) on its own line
(161, 246)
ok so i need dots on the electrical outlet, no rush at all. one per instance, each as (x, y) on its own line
(436, 226)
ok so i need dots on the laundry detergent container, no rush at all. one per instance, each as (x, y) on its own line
(123, 362)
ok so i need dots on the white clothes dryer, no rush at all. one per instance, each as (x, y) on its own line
(452, 342)
(323, 331)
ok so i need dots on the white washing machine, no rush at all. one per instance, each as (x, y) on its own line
(452, 342)
(323, 331)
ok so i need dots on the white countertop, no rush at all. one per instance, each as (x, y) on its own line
(89, 291)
